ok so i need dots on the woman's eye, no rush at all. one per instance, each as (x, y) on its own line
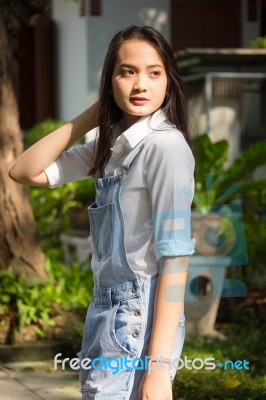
(155, 73)
(126, 72)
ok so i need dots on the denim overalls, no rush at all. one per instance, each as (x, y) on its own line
(119, 318)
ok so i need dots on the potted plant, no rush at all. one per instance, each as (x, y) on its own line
(223, 198)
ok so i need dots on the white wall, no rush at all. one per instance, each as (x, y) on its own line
(82, 44)
(72, 58)
(250, 29)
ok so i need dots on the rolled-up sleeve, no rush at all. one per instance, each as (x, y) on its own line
(72, 165)
(169, 174)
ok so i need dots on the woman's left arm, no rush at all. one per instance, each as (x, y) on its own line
(169, 303)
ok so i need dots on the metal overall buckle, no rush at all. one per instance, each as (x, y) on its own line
(119, 173)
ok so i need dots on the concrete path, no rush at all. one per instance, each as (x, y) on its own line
(37, 381)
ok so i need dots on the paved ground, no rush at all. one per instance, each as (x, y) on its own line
(37, 381)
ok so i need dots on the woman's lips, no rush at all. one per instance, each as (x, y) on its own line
(138, 101)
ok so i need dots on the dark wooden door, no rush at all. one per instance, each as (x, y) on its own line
(205, 23)
(35, 89)
(263, 17)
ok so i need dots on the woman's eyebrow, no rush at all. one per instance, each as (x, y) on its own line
(155, 66)
(133, 66)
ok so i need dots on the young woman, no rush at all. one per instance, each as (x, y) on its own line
(140, 222)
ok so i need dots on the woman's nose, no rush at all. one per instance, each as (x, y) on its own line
(139, 83)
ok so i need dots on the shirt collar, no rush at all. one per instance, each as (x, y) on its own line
(141, 128)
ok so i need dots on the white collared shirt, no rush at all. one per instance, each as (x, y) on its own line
(156, 194)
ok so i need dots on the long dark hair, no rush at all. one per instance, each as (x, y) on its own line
(174, 105)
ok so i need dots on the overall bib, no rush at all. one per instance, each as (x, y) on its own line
(119, 318)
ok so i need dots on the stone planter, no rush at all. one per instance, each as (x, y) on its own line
(79, 219)
(203, 293)
(206, 275)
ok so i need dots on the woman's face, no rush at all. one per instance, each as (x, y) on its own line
(139, 80)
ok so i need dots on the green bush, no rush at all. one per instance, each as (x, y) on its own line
(39, 130)
(216, 184)
(258, 43)
(35, 301)
(245, 342)
(50, 208)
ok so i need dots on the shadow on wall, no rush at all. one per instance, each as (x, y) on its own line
(153, 17)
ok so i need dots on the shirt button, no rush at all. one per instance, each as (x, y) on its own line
(137, 312)
(131, 355)
(134, 289)
(135, 334)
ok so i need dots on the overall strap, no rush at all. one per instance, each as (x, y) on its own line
(127, 163)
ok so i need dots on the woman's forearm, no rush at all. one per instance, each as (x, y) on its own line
(39, 156)
(169, 302)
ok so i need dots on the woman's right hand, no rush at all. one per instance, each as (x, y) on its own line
(29, 167)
